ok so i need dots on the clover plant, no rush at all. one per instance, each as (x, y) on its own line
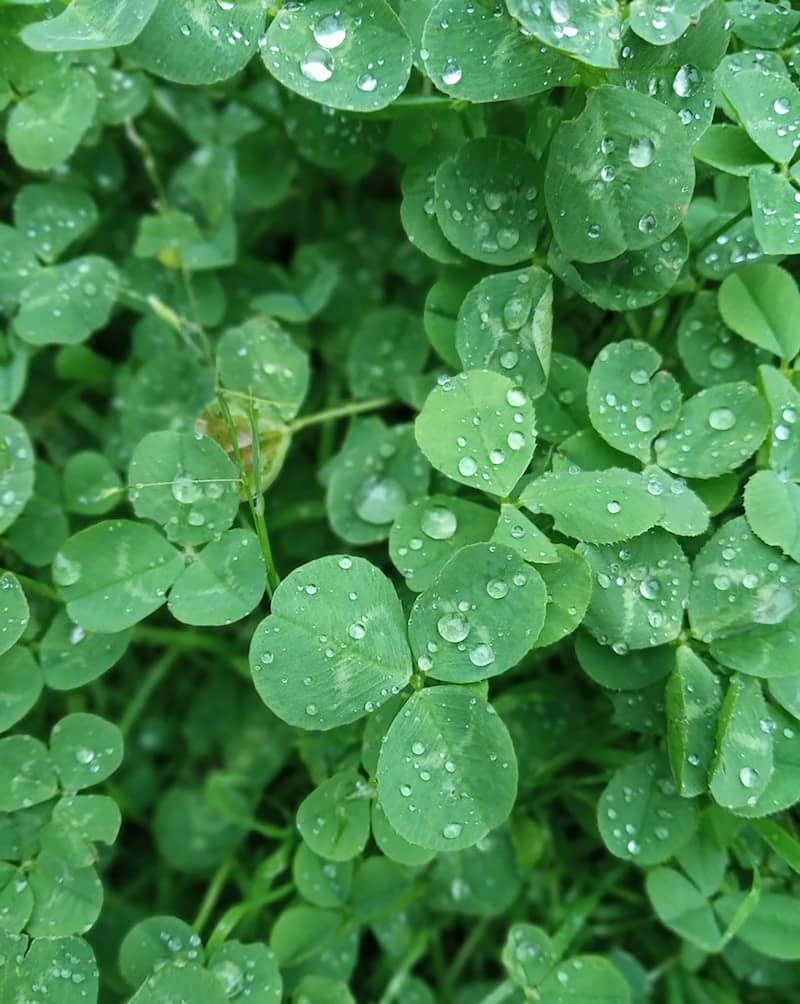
(400, 501)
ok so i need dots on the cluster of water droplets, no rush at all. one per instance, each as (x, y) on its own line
(231, 34)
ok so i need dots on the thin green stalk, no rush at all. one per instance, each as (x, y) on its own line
(231, 919)
(341, 411)
(462, 957)
(212, 894)
(155, 675)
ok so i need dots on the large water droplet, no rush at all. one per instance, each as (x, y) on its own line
(749, 777)
(317, 65)
(687, 81)
(722, 419)
(330, 32)
(453, 627)
(439, 523)
(378, 500)
(641, 151)
(481, 655)
(451, 831)
(451, 74)
(467, 467)
(781, 106)
(497, 588)
(367, 83)
(185, 490)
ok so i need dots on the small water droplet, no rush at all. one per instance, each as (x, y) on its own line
(641, 151)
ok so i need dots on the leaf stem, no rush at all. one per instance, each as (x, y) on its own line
(155, 675)
(212, 894)
(341, 411)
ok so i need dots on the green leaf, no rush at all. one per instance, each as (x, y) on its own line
(596, 506)
(358, 59)
(78, 821)
(569, 587)
(72, 656)
(153, 943)
(16, 470)
(507, 65)
(561, 411)
(768, 107)
(739, 584)
(85, 750)
(479, 617)
(786, 691)
(621, 670)
(187, 982)
(682, 908)
(772, 929)
(708, 349)
(334, 819)
(630, 399)
(395, 847)
(90, 24)
(91, 485)
(528, 955)
(342, 606)
(743, 760)
(53, 215)
(322, 883)
(259, 358)
(505, 325)
(67, 900)
(633, 280)
(729, 149)
(223, 584)
(462, 884)
(694, 697)
(27, 774)
(641, 594)
(685, 513)
(589, 31)
(14, 612)
(114, 573)
(429, 531)
(418, 209)
(586, 978)
(65, 304)
(491, 423)
(190, 43)
(662, 27)
(516, 531)
(247, 969)
(488, 200)
(45, 128)
(447, 772)
(65, 965)
(772, 507)
(757, 303)
(776, 218)
(388, 347)
(640, 815)
(725, 425)
(784, 406)
(619, 176)
(186, 483)
(783, 789)
(20, 685)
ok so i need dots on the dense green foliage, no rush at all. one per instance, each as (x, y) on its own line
(400, 499)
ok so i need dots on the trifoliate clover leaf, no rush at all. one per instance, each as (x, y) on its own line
(334, 647)
(597, 506)
(619, 177)
(630, 400)
(53, 216)
(505, 325)
(768, 107)
(724, 424)
(640, 591)
(480, 615)
(489, 421)
(447, 772)
(114, 573)
(65, 965)
(357, 59)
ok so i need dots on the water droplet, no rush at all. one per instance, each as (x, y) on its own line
(453, 627)
(330, 32)
(722, 419)
(497, 588)
(65, 572)
(644, 423)
(749, 777)
(367, 83)
(594, 231)
(439, 523)
(357, 631)
(481, 655)
(345, 563)
(781, 106)
(451, 831)
(614, 508)
(185, 30)
(379, 500)
(509, 359)
(641, 151)
(647, 223)
(721, 357)
(185, 490)
(687, 81)
(451, 74)
(84, 755)
(311, 709)
(467, 467)
(650, 588)
(317, 65)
